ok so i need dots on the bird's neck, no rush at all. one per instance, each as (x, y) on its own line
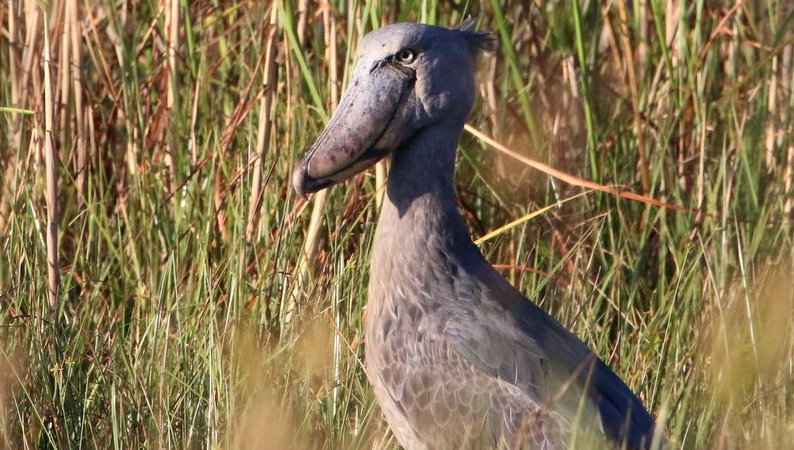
(421, 175)
(419, 222)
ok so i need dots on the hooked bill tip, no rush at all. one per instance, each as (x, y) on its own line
(304, 184)
(299, 180)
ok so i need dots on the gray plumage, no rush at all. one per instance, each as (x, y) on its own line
(458, 357)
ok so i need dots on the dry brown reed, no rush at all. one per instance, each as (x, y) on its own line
(50, 150)
(265, 126)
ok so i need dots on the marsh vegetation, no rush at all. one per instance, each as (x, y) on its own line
(162, 286)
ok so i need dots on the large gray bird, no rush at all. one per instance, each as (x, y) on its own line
(457, 356)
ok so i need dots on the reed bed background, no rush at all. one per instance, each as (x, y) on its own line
(161, 286)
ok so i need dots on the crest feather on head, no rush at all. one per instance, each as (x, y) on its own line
(477, 40)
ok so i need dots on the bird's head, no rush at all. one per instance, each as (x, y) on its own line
(408, 77)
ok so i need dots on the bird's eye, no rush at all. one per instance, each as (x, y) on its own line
(406, 56)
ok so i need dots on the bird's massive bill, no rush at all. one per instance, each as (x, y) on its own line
(358, 134)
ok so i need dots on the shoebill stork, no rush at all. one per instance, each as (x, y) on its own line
(458, 358)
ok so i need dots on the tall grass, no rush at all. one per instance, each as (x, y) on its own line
(194, 309)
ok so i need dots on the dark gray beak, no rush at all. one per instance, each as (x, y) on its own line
(360, 132)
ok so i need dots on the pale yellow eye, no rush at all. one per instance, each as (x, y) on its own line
(406, 56)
